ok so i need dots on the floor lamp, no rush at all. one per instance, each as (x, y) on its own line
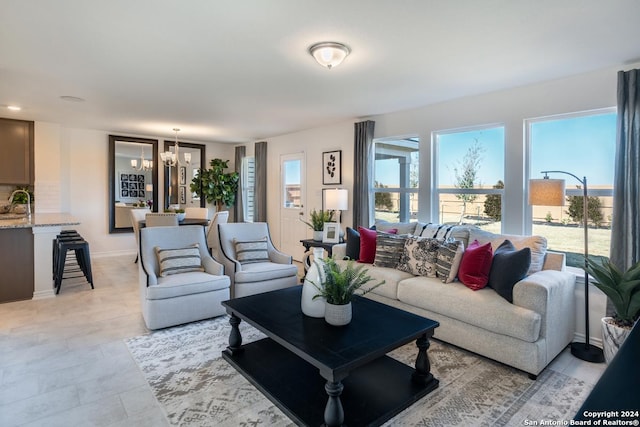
(550, 192)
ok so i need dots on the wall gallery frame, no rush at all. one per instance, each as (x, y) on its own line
(183, 175)
(332, 167)
(183, 195)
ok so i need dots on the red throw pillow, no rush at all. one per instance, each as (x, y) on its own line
(368, 244)
(476, 265)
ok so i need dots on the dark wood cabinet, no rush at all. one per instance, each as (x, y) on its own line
(16, 264)
(16, 145)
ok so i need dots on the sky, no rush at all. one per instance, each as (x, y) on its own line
(584, 146)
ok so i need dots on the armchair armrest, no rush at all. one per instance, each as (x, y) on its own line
(211, 266)
(279, 257)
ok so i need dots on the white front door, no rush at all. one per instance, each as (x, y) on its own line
(292, 201)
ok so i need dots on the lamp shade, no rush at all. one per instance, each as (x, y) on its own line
(546, 192)
(149, 187)
(336, 199)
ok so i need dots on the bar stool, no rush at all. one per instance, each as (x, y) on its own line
(65, 235)
(63, 244)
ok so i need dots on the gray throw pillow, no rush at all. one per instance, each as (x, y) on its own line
(389, 247)
(449, 257)
(509, 266)
(179, 260)
(251, 251)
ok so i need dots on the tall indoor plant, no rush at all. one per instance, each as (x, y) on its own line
(338, 287)
(623, 289)
(216, 185)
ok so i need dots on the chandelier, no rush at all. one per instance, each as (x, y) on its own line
(171, 159)
(145, 165)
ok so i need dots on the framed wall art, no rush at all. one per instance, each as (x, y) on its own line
(183, 175)
(183, 195)
(332, 167)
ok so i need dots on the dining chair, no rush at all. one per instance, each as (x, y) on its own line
(200, 213)
(138, 215)
(161, 219)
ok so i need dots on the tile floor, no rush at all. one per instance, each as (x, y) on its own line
(63, 360)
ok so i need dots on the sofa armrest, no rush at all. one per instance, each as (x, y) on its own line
(550, 293)
(339, 251)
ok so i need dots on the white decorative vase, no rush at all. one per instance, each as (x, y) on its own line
(317, 236)
(313, 307)
(338, 315)
(181, 216)
(612, 338)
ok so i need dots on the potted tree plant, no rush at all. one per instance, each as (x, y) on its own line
(338, 285)
(318, 218)
(216, 185)
(623, 289)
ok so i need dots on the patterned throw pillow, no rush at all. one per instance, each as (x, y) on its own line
(420, 256)
(181, 260)
(389, 247)
(449, 256)
(250, 251)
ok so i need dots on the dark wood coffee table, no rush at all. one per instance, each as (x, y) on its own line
(321, 374)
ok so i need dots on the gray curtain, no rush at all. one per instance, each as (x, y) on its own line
(241, 151)
(625, 229)
(362, 157)
(260, 212)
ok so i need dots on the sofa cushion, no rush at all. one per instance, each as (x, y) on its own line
(447, 232)
(262, 271)
(449, 256)
(251, 251)
(389, 248)
(391, 277)
(353, 244)
(538, 245)
(419, 256)
(399, 227)
(483, 308)
(509, 266)
(178, 260)
(476, 265)
(367, 245)
(178, 285)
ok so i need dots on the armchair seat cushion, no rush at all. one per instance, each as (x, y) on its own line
(262, 271)
(178, 285)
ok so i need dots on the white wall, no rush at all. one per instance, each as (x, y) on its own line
(72, 176)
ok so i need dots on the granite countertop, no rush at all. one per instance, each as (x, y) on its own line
(39, 220)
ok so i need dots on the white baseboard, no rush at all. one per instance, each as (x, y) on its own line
(597, 341)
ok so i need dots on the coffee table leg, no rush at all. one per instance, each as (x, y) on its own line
(422, 373)
(235, 338)
(333, 412)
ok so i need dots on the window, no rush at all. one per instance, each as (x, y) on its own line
(248, 187)
(582, 144)
(395, 186)
(469, 174)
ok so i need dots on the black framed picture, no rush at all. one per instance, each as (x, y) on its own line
(183, 175)
(332, 167)
(183, 195)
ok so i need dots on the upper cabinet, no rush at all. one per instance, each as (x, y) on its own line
(16, 145)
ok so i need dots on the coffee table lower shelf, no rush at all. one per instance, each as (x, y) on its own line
(373, 393)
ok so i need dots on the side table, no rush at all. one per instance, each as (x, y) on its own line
(310, 243)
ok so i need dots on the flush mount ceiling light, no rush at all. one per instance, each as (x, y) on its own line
(329, 54)
(13, 108)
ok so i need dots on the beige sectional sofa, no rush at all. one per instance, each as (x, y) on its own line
(526, 334)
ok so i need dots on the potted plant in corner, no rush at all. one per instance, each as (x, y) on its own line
(338, 286)
(318, 218)
(216, 185)
(623, 289)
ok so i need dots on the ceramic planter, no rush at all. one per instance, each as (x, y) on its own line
(337, 315)
(612, 338)
(317, 236)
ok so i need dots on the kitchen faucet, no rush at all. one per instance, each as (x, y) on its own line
(28, 199)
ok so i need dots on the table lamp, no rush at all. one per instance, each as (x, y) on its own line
(337, 199)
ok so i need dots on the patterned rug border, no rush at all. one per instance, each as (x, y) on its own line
(196, 387)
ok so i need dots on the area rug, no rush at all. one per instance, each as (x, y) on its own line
(196, 387)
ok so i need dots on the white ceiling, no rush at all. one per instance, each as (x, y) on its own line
(238, 70)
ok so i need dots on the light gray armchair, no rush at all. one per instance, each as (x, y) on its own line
(268, 272)
(184, 297)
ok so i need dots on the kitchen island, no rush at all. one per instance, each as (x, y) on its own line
(26, 254)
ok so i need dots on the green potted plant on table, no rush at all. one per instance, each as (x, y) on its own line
(216, 185)
(338, 285)
(318, 218)
(623, 289)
